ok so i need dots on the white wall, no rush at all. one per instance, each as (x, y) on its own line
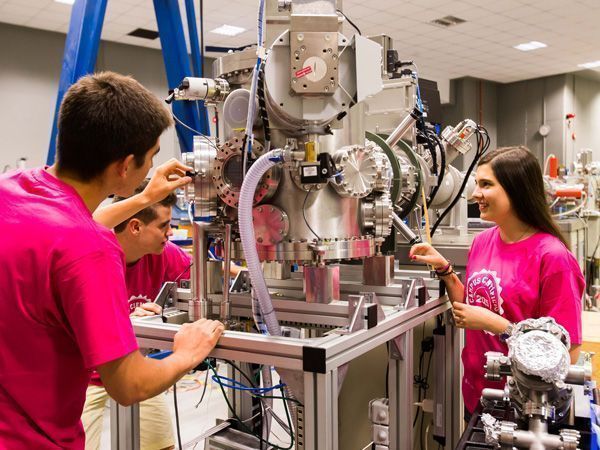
(586, 105)
(29, 71)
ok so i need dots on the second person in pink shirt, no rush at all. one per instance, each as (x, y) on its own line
(520, 269)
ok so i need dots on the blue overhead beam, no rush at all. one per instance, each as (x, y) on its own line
(197, 56)
(177, 65)
(193, 35)
(81, 51)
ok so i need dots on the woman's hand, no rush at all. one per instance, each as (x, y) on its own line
(425, 253)
(478, 318)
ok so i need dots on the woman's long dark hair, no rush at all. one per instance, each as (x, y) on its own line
(519, 173)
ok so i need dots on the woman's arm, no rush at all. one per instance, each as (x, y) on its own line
(427, 254)
(454, 288)
(478, 318)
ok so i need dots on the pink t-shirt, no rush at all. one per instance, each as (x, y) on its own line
(62, 306)
(145, 277)
(533, 278)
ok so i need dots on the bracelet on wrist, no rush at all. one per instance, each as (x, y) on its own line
(442, 270)
(445, 274)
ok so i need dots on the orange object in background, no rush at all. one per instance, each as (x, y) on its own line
(553, 166)
(568, 192)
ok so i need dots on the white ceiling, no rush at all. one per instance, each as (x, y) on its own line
(482, 47)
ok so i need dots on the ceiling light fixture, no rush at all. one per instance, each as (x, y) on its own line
(228, 30)
(144, 33)
(528, 46)
(447, 21)
(66, 2)
(590, 65)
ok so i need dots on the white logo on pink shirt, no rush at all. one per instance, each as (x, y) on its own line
(483, 289)
(135, 301)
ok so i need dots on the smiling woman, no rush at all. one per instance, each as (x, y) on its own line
(520, 269)
(517, 173)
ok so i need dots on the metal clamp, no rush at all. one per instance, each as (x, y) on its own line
(497, 365)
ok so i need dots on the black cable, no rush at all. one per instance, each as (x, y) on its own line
(262, 104)
(483, 143)
(425, 135)
(177, 416)
(349, 21)
(241, 423)
(262, 396)
(252, 384)
(204, 389)
(421, 384)
(184, 271)
(194, 131)
(304, 214)
(424, 397)
(417, 378)
(278, 397)
(442, 171)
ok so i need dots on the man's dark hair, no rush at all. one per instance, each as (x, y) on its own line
(103, 118)
(147, 214)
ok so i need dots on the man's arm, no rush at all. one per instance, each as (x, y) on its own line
(134, 378)
(112, 215)
(159, 186)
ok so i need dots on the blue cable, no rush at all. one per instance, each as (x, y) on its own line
(212, 255)
(236, 385)
(419, 102)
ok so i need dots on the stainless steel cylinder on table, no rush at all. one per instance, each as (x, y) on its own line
(322, 283)
(198, 305)
(225, 310)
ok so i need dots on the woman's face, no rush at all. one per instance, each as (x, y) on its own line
(494, 204)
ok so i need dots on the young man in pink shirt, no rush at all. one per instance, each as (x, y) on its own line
(151, 260)
(63, 306)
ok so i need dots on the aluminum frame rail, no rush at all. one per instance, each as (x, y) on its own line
(320, 359)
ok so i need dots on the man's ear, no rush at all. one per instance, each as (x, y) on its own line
(123, 165)
(134, 226)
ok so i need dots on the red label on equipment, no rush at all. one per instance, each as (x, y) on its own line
(304, 71)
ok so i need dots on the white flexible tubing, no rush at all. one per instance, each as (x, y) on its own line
(577, 208)
(254, 84)
(258, 169)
